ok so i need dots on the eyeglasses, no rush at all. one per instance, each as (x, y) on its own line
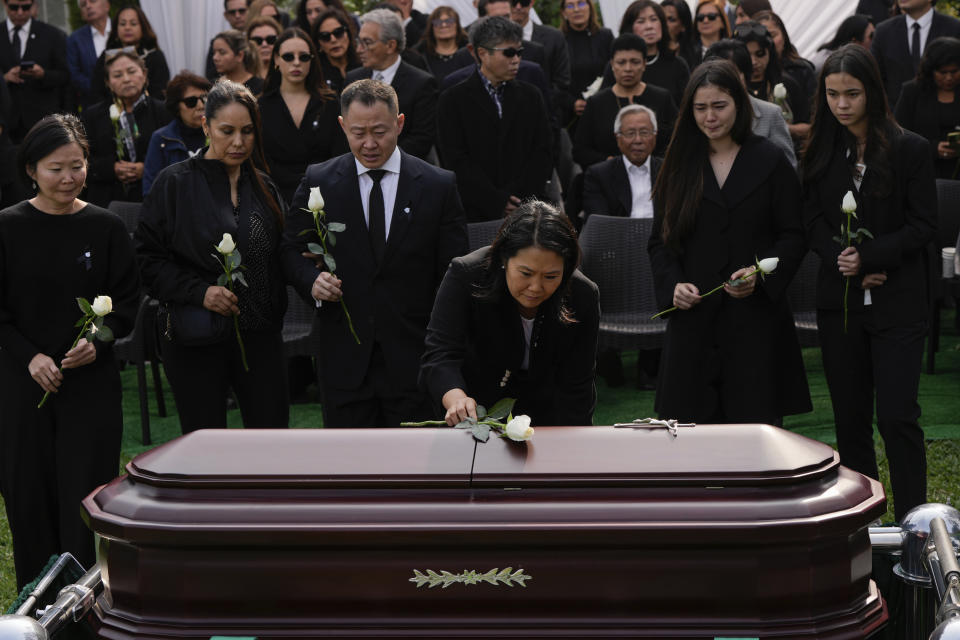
(633, 134)
(439, 23)
(508, 52)
(15, 8)
(520, 3)
(236, 12)
(366, 42)
(191, 102)
(258, 40)
(110, 54)
(327, 36)
(582, 4)
(748, 30)
(290, 57)
(704, 17)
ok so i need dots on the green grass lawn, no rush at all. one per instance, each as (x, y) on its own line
(939, 399)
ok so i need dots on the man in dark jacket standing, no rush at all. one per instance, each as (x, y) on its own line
(494, 131)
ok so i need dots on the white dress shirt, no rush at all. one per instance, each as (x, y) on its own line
(528, 30)
(925, 21)
(388, 185)
(100, 39)
(640, 188)
(387, 74)
(24, 35)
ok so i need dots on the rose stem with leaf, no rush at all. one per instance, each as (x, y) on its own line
(764, 267)
(231, 271)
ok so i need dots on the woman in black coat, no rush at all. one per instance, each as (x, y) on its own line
(516, 320)
(299, 113)
(929, 105)
(588, 44)
(871, 352)
(118, 147)
(724, 199)
(132, 29)
(189, 211)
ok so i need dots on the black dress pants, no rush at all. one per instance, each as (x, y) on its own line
(201, 376)
(52, 458)
(868, 359)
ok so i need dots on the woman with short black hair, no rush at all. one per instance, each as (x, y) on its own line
(55, 248)
(517, 320)
(183, 137)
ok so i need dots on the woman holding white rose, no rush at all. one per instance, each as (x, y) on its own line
(52, 457)
(219, 202)
(725, 198)
(517, 320)
(860, 159)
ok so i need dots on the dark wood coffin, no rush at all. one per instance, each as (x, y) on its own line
(735, 531)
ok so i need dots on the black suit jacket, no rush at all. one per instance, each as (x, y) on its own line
(417, 92)
(390, 304)
(494, 157)
(901, 213)
(471, 344)
(606, 187)
(34, 99)
(893, 54)
(557, 57)
(415, 28)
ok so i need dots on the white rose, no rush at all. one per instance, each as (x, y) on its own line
(592, 88)
(519, 429)
(849, 203)
(114, 112)
(780, 91)
(315, 203)
(102, 305)
(226, 245)
(768, 265)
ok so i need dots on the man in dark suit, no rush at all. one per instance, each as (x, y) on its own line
(36, 89)
(414, 22)
(379, 44)
(554, 44)
(84, 46)
(623, 185)
(899, 42)
(494, 131)
(404, 223)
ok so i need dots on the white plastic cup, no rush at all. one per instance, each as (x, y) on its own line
(948, 256)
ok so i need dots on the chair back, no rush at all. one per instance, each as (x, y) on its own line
(129, 212)
(802, 295)
(298, 337)
(615, 257)
(482, 234)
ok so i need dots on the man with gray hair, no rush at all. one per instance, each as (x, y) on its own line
(380, 42)
(493, 130)
(623, 185)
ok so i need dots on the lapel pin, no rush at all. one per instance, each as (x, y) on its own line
(406, 209)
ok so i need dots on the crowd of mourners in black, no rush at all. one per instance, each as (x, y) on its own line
(707, 122)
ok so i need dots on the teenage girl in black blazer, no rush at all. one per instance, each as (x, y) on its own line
(856, 146)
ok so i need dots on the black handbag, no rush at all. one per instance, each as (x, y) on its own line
(193, 326)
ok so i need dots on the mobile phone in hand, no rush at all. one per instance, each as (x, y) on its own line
(26, 65)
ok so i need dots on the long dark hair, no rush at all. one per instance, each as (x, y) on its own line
(850, 30)
(940, 52)
(679, 187)
(48, 135)
(314, 82)
(683, 13)
(532, 224)
(341, 17)
(302, 21)
(226, 92)
(789, 50)
(753, 31)
(630, 16)
(828, 136)
(148, 38)
(593, 22)
(429, 41)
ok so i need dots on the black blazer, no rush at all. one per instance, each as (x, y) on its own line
(34, 99)
(892, 52)
(556, 56)
(415, 28)
(918, 111)
(723, 344)
(494, 157)
(471, 345)
(417, 92)
(290, 149)
(595, 141)
(903, 222)
(606, 187)
(102, 183)
(390, 304)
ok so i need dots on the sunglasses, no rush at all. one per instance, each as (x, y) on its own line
(444, 22)
(14, 8)
(704, 17)
(290, 57)
(236, 12)
(508, 52)
(327, 36)
(192, 101)
(520, 3)
(570, 6)
(258, 40)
